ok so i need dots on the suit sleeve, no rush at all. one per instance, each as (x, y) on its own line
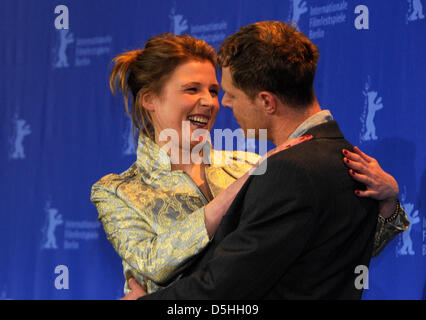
(277, 221)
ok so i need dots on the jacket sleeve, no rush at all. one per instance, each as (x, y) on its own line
(277, 220)
(155, 256)
(386, 231)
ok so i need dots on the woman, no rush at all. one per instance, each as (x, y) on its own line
(161, 211)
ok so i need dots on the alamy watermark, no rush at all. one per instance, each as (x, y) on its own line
(62, 20)
(362, 19)
(361, 281)
(194, 148)
(62, 280)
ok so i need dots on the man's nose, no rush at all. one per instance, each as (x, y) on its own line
(225, 101)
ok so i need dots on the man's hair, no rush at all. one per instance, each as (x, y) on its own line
(272, 56)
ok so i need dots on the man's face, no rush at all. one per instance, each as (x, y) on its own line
(248, 112)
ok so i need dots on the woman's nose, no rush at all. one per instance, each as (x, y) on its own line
(206, 100)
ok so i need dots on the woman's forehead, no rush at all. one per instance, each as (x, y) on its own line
(195, 71)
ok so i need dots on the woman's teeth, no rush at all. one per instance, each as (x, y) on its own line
(199, 120)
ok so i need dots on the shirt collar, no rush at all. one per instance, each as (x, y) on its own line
(313, 121)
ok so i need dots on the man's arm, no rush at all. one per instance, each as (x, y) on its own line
(277, 211)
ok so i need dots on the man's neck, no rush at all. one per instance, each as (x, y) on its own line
(288, 120)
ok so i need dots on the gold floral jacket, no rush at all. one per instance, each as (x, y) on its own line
(154, 217)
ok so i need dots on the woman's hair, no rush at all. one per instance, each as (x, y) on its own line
(148, 69)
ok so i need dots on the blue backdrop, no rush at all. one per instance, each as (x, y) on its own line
(61, 129)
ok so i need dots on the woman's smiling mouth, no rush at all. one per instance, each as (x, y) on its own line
(199, 120)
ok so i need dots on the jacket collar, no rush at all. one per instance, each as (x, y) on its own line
(150, 157)
(329, 130)
(313, 121)
(155, 165)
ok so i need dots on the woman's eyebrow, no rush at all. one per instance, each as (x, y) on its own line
(194, 83)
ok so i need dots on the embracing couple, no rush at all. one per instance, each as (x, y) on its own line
(222, 230)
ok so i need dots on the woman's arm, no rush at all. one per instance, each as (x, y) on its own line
(155, 256)
(217, 208)
(381, 186)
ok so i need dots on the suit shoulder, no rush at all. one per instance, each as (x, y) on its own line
(298, 163)
(317, 148)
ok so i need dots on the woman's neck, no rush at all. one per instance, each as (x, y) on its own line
(189, 169)
(197, 173)
(182, 160)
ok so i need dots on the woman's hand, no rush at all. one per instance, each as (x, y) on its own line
(136, 291)
(379, 184)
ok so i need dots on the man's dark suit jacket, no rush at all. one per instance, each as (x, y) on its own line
(296, 232)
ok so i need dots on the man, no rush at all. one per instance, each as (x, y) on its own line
(298, 231)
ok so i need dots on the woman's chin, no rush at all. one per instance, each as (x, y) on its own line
(199, 133)
(195, 126)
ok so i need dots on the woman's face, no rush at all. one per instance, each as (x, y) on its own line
(189, 100)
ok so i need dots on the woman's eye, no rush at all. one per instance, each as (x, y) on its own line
(214, 92)
(191, 89)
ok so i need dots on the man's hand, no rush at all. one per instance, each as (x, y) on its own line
(136, 291)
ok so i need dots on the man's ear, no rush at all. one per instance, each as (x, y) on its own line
(268, 101)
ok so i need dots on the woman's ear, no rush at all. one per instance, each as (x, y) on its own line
(148, 100)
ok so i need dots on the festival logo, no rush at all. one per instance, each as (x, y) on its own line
(71, 50)
(3, 294)
(321, 17)
(74, 232)
(213, 32)
(372, 103)
(77, 233)
(297, 8)
(53, 219)
(21, 129)
(178, 23)
(424, 237)
(65, 39)
(405, 242)
(415, 10)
